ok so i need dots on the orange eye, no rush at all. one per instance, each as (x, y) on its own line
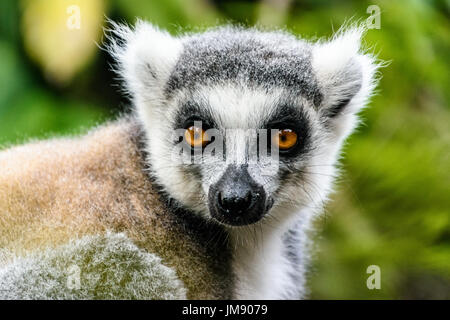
(286, 139)
(196, 137)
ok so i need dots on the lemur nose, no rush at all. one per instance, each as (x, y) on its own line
(236, 199)
(233, 203)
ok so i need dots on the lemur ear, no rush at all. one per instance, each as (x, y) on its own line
(345, 74)
(145, 56)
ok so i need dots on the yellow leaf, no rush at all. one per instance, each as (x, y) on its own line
(61, 35)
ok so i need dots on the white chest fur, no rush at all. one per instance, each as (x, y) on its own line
(260, 264)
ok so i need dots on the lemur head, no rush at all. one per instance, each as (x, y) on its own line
(244, 125)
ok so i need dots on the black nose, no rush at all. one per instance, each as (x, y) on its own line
(230, 202)
(236, 199)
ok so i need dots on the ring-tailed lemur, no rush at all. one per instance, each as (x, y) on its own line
(226, 223)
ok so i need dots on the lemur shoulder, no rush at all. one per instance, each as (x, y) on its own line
(226, 224)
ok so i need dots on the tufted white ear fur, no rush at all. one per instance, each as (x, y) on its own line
(346, 76)
(145, 56)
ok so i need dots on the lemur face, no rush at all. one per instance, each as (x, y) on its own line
(243, 146)
(244, 126)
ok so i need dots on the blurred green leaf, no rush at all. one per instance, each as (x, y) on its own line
(37, 114)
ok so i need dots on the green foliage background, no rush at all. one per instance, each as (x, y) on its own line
(392, 205)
